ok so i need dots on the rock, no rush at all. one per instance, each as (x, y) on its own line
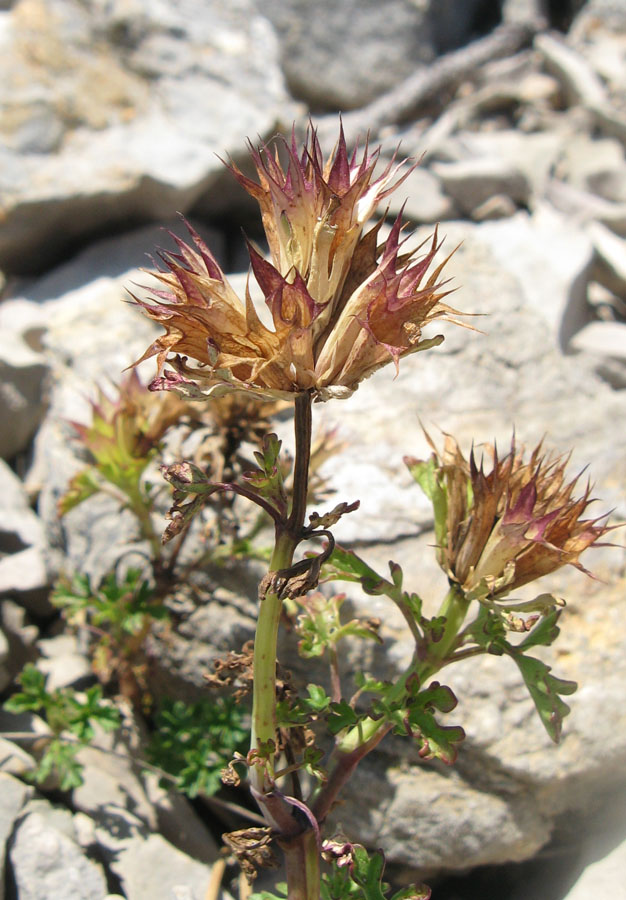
(14, 760)
(24, 576)
(13, 795)
(6, 675)
(523, 11)
(19, 636)
(587, 162)
(605, 14)
(472, 182)
(129, 134)
(603, 878)
(63, 662)
(421, 198)
(23, 565)
(578, 80)
(605, 343)
(337, 57)
(532, 154)
(113, 785)
(22, 396)
(582, 207)
(499, 206)
(146, 864)
(552, 262)
(610, 261)
(580, 83)
(47, 862)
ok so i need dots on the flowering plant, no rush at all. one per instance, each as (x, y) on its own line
(340, 303)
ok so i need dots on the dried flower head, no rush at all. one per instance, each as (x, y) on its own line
(341, 305)
(501, 529)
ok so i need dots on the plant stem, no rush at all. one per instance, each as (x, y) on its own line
(361, 740)
(288, 535)
(299, 843)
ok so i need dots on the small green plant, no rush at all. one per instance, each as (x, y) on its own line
(194, 742)
(71, 718)
(119, 614)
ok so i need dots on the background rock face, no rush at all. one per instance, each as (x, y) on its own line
(112, 113)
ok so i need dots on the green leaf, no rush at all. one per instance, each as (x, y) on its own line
(195, 741)
(415, 714)
(267, 479)
(341, 716)
(544, 633)
(545, 690)
(426, 474)
(82, 486)
(318, 700)
(345, 565)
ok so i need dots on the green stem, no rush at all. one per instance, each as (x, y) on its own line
(265, 641)
(288, 535)
(361, 739)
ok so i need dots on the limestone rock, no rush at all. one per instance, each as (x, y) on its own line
(472, 182)
(47, 862)
(610, 263)
(148, 96)
(13, 796)
(22, 396)
(421, 198)
(23, 566)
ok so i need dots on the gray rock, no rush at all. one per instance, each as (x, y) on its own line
(23, 566)
(337, 56)
(63, 662)
(552, 262)
(150, 95)
(578, 80)
(610, 259)
(605, 343)
(22, 395)
(24, 575)
(581, 207)
(472, 182)
(6, 675)
(48, 863)
(580, 83)
(13, 796)
(144, 862)
(587, 162)
(14, 760)
(532, 154)
(421, 198)
(523, 11)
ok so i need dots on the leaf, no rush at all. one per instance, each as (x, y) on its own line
(545, 690)
(415, 715)
(544, 633)
(341, 716)
(267, 479)
(82, 486)
(345, 565)
(425, 474)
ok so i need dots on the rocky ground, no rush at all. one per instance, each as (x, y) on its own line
(112, 116)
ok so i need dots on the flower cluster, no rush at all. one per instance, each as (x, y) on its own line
(504, 528)
(341, 304)
(123, 436)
